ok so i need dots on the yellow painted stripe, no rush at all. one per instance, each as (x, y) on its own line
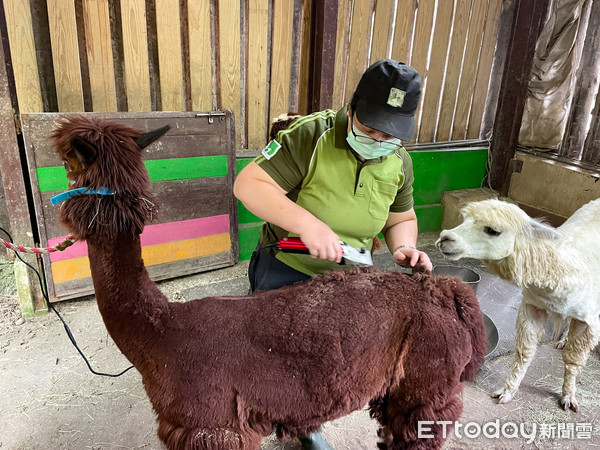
(78, 268)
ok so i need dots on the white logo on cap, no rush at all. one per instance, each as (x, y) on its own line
(396, 97)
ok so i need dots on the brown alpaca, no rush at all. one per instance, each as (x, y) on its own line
(223, 372)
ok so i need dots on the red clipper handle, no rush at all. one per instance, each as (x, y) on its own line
(292, 245)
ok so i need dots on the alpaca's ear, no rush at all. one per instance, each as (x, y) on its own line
(83, 151)
(543, 231)
(148, 138)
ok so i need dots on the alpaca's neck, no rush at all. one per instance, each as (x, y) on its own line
(534, 262)
(131, 305)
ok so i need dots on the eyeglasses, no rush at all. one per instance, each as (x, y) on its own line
(364, 139)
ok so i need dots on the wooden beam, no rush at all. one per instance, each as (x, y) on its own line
(13, 178)
(322, 55)
(526, 26)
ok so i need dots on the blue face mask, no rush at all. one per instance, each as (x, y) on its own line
(373, 149)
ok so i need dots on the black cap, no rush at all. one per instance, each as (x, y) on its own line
(387, 97)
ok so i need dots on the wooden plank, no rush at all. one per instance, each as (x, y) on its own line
(359, 40)
(230, 63)
(573, 145)
(382, 30)
(23, 57)
(435, 74)
(403, 31)
(480, 91)
(323, 33)
(100, 55)
(342, 43)
(529, 15)
(258, 25)
(65, 55)
(453, 68)
(135, 50)
(168, 24)
(420, 48)
(201, 59)
(422, 37)
(469, 70)
(281, 57)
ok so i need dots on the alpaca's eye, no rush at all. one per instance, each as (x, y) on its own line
(67, 166)
(491, 232)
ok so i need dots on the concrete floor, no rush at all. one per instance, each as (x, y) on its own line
(49, 399)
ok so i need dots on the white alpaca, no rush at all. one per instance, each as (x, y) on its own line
(557, 269)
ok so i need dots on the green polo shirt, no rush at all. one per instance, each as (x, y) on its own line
(314, 164)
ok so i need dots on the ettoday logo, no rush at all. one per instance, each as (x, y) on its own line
(507, 430)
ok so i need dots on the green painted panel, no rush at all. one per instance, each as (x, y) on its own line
(446, 170)
(54, 178)
(248, 237)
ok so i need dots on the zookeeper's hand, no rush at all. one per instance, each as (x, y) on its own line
(322, 242)
(407, 256)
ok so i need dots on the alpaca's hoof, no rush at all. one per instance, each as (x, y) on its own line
(560, 344)
(569, 402)
(504, 395)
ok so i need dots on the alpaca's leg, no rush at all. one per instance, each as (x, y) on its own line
(424, 428)
(530, 328)
(582, 339)
(561, 332)
(180, 438)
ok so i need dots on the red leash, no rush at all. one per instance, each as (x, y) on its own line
(39, 251)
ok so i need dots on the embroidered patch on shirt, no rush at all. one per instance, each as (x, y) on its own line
(396, 97)
(271, 149)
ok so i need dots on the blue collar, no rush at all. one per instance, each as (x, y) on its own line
(80, 191)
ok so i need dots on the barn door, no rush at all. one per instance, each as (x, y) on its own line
(191, 169)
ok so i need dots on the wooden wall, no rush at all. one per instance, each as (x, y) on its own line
(253, 57)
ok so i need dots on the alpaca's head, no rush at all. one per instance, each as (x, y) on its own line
(491, 230)
(100, 153)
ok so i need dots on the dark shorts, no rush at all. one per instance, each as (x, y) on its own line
(266, 272)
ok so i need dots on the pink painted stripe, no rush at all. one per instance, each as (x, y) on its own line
(156, 234)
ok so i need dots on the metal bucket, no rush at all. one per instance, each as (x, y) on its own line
(467, 275)
(472, 278)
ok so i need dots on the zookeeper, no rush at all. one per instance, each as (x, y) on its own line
(337, 176)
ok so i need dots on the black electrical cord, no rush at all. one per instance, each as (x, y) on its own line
(51, 306)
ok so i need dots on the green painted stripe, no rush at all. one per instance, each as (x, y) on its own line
(187, 168)
(248, 237)
(245, 216)
(171, 169)
(240, 163)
